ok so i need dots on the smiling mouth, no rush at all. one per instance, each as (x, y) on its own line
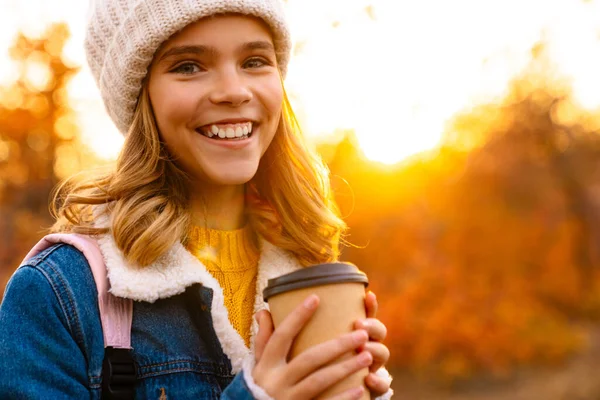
(238, 131)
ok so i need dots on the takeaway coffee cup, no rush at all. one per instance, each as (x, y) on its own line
(341, 290)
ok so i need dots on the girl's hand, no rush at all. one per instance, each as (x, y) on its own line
(381, 354)
(307, 375)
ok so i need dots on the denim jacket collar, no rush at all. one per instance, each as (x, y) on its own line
(178, 269)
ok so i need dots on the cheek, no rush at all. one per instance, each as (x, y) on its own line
(173, 104)
(273, 103)
(273, 98)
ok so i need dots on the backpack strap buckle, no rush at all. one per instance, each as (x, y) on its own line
(118, 374)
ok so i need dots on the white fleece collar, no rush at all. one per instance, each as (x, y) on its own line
(177, 269)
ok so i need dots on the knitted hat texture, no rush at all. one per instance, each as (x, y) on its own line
(123, 35)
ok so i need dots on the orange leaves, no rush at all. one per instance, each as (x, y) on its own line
(483, 260)
(38, 141)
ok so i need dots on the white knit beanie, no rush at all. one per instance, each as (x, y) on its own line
(123, 35)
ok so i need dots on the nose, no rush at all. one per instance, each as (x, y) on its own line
(230, 89)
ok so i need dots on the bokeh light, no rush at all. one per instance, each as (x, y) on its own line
(393, 71)
(479, 234)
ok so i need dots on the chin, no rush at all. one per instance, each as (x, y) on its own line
(232, 178)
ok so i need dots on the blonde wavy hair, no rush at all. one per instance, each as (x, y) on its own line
(288, 202)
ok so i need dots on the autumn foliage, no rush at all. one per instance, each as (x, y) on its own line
(483, 255)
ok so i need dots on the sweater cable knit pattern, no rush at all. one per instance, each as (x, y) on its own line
(231, 257)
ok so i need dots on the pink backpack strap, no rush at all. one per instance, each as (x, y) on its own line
(115, 312)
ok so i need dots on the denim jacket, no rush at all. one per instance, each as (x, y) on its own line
(51, 339)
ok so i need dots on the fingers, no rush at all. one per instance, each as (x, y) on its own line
(322, 379)
(278, 346)
(323, 353)
(371, 305)
(265, 330)
(352, 394)
(377, 384)
(375, 328)
(380, 353)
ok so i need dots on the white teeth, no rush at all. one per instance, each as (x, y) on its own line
(233, 131)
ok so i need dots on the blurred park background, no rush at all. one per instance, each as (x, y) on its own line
(463, 139)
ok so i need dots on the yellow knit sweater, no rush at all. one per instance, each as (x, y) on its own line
(232, 258)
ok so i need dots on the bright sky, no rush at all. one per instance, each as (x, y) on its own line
(395, 75)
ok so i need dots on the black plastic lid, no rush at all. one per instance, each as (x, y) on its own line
(317, 275)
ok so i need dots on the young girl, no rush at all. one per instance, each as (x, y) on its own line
(214, 193)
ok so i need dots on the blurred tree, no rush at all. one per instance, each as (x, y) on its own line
(38, 139)
(483, 254)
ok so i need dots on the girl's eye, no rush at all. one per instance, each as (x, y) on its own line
(256, 62)
(187, 69)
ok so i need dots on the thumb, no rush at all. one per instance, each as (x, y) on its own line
(265, 329)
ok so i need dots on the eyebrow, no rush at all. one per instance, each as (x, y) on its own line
(258, 45)
(189, 49)
(212, 51)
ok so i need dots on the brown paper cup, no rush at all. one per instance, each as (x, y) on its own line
(341, 290)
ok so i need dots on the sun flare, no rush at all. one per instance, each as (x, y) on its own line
(393, 71)
(396, 72)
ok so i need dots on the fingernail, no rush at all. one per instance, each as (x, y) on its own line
(364, 323)
(311, 302)
(365, 359)
(359, 336)
(357, 392)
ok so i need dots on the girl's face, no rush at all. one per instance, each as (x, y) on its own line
(217, 96)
